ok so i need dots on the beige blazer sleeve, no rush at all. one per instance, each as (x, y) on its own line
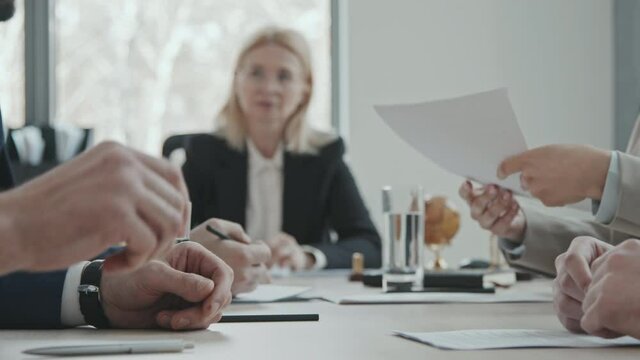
(627, 217)
(548, 236)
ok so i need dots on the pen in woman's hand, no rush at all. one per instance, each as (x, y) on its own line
(218, 233)
(221, 235)
(187, 229)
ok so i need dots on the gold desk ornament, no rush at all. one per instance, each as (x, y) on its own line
(441, 223)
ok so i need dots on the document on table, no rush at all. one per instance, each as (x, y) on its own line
(270, 293)
(512, 338)
(434, 298)
(468, 135)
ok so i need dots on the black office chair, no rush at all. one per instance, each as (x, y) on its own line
(175, 142)
(25, 172)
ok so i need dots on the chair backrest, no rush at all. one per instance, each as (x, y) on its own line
(24, 172)
(175, 142)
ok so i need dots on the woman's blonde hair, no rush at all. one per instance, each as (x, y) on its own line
(232, 124)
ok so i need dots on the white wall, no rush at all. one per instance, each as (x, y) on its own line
(554, 56)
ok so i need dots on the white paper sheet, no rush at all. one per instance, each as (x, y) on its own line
(270, 293)
(468, 135)
(512, 338)
(432, 298)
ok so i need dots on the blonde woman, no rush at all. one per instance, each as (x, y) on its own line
(265, 169)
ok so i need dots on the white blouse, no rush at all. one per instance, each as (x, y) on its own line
(264, 199)
(264, 195)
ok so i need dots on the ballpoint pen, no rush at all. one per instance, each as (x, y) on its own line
(138, 347)
(186, 235)
(218, 233)
(222, 236)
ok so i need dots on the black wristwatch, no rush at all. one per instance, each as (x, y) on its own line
(89, 290)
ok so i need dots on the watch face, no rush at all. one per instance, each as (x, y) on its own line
(87, 289)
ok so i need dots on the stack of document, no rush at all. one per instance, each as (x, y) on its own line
(434, 298)
(271, 293)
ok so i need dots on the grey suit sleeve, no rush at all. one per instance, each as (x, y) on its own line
(604, 209)
(548, 236)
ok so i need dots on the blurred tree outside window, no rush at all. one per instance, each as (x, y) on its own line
(139, 71)
(12, 96)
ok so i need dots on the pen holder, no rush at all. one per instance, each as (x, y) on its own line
(403, 246)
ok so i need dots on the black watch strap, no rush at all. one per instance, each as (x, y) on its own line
(89, 292)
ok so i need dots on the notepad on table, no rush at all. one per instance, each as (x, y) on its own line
(271, 293)
(512, 338)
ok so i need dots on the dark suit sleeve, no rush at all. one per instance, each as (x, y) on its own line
(349, 217)
(27, 300)
(34, 300)
(6, 176)
(31, 300)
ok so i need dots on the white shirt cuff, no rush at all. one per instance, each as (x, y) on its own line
(70, 314)
(605, 210)
(511, 250)
(319, 256)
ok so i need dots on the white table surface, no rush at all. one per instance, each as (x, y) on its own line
(343, 332)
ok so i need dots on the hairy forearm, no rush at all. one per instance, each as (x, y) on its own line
(12, 256)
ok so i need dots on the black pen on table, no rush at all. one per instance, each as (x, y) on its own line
(269, 318)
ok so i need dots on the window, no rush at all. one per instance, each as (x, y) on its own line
(138, 71)
(12, 100)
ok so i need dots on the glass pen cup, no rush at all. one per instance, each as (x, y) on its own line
(402, 238)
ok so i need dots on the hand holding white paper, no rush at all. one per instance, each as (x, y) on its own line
(468, 135)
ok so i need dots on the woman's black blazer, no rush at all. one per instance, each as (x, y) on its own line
(320, 197)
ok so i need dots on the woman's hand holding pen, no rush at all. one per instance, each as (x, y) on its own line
(246, 258)
(287, 253)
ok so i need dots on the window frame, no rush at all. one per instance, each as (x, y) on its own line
(626, 70)
(39, 62)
